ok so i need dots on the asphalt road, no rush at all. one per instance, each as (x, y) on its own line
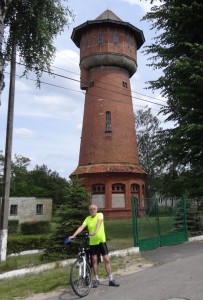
(176, 275)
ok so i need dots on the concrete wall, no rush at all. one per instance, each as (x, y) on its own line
(25, 209)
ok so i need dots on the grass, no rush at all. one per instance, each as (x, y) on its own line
(119, 236)
(56, 279)
(18, 262)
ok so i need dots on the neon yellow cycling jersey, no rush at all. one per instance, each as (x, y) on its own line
(91, 224)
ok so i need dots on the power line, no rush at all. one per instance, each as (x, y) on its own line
(112, 85)
(79, 81)
(73, 90)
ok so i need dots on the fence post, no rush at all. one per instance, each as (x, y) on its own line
(185, 216)
(134, 217)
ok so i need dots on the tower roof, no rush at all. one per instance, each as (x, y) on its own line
(107, 17)
(108, 14)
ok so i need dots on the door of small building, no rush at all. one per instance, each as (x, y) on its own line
(162, 222)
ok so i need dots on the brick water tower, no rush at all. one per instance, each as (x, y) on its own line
(108, 160)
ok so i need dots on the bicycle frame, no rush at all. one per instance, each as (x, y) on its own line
(80, 273)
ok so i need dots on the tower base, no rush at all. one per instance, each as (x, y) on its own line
(111, 187)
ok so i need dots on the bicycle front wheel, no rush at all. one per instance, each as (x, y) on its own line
(80, 284)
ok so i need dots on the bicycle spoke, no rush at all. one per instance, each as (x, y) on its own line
(80, 285)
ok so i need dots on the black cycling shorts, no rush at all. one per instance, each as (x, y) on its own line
(99, 249)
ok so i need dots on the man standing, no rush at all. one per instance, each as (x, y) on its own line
(95, 225)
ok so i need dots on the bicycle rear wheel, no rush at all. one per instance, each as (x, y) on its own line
(80, 285)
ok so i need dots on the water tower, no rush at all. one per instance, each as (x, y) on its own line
(108, 160)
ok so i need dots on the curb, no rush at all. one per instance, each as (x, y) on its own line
(63, 263)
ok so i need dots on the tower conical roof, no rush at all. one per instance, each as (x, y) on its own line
(108, 14)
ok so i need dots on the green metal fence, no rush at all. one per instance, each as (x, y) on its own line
(161, 222)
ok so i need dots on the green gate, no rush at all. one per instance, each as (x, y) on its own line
(162, 222)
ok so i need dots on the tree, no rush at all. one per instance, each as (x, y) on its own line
(38, 182)
(72, 213)
(32, 26)
(177, 50)
(147, 128)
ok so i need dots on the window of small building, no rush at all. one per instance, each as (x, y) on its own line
(108, 121)
(39, 209)
(14, 210)
(115, 38)
(100, 38)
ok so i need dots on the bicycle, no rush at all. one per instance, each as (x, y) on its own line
(80, 272)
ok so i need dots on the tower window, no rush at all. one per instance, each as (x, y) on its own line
(125, 84)
(134, 188)
(128, 41)
(87, 40)
(98, 188)
(115, 38)
(100, 38)
(108, 121)
(91, 84)
(118, 188)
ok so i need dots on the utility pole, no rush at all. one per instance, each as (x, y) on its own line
(7, 163)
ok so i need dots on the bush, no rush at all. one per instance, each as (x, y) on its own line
(13, 226)
(38, 227)
(21, 243)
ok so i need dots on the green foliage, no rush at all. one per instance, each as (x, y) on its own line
(21, 243)
(39, 182)
(34, 25)
(147, 129)
(13, 226)
(38, 227)
(72, 213)
(177, 50)
(192, 216)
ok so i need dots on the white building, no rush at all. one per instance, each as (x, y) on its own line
(26, 209)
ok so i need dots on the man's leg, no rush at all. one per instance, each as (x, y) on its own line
(95, 269)
(107, 263)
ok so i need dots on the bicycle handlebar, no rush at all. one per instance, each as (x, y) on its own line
(68, 241)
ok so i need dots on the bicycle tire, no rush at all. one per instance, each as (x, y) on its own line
(81, 286)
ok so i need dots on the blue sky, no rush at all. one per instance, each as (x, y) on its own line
(48, 121)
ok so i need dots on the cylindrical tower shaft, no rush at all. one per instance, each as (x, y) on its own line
(108, 134)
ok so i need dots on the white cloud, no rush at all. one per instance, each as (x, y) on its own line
(143, 4)
(23, 87)
(24, 133)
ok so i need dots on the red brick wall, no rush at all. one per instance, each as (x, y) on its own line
(108, 94)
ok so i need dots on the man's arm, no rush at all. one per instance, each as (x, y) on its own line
(99, 222)
(80, 229)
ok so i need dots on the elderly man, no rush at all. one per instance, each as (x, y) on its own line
(95, 225)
